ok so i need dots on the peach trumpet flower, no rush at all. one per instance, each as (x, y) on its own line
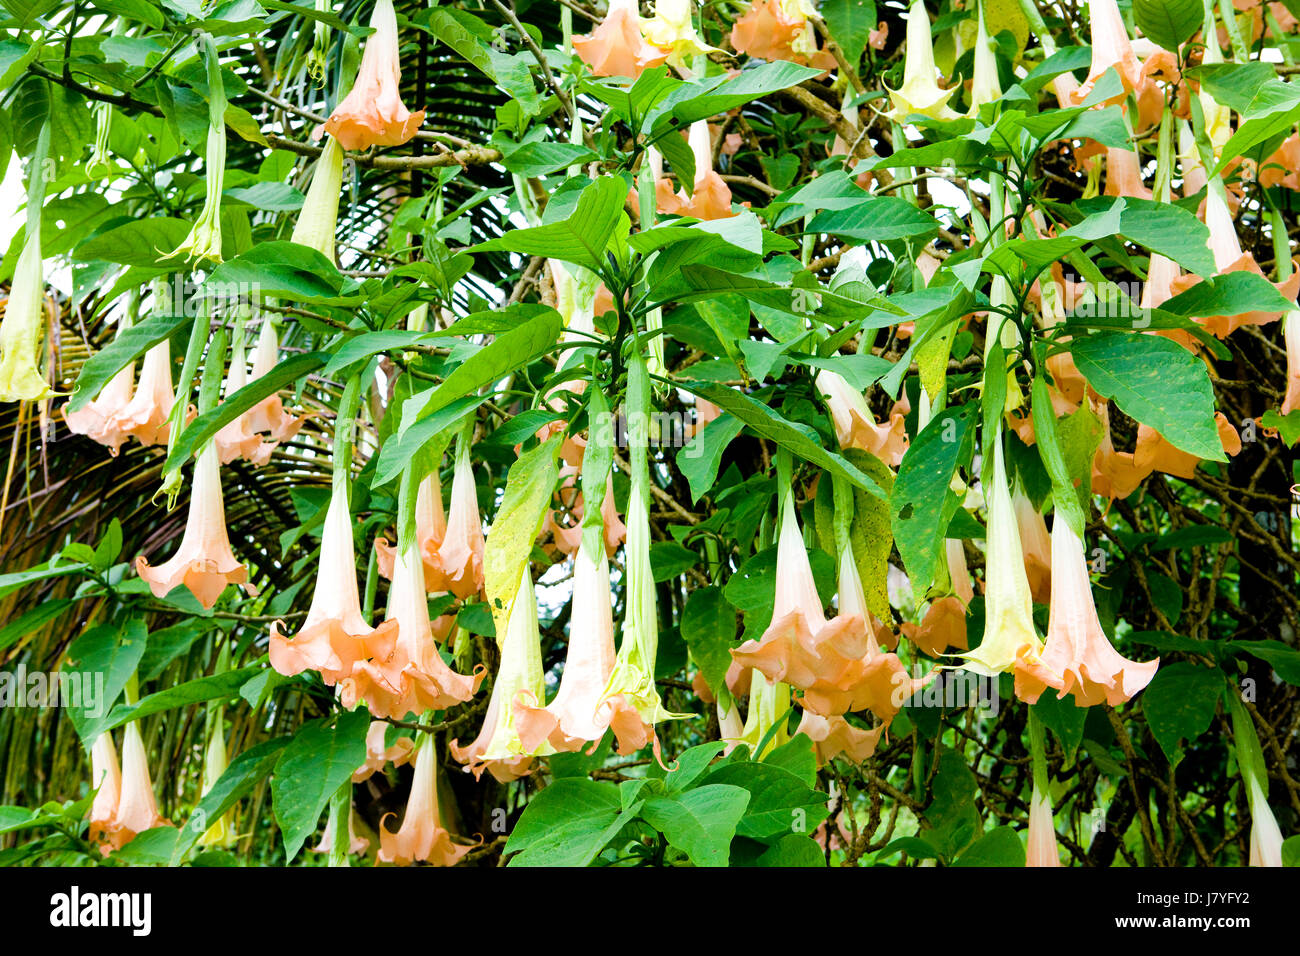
(106, 779)
(414, 678)
(710, 197)
(1291, 332)
(237, 439)
(335, 636)
(835, 737)
(268, 416)
(373, 113)
(1111, 48)
(357, 845)
(1041, 849)
(568, 536)
(460, 556)
(204, 562)
(145, 417)
(617, 46)
(920, 92)
(571, 719)
(100, 419)
(1154, 452)
(137, 809)
(856, 427)
(1124, 174)
(1037, 546)
(944, 624)
(430, 529)
(1115, 474)
(1009, 633)
(421, 836)
(379, 754)
(499, 747)
(1078, 659)
(780, 30)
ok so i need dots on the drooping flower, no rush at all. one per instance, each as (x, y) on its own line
(460, 556)
(430, 529)
(1036, 544)
(106, 779)
(1124, 174)
(1114, 473)
(414, 678)
(566, 526)
(379, 754)
(356, 844)
(137, 809)
(268, 416)
(572, 719)
(335, 636)
(145, 417)
(1154, 452)
(617, 47)
(985, 86)
(421, 836)
(780, 30)
(236, 439)
(769, 706)
(1078, 659)
(835, 737)
(221, 833)
(203, 243)
(100, 419)
(1265, 835)
(1041, 849)
(920, 92)
(1291, 332)
(1009, 633)
(944, 624)
(498, 747)
(855, 426)
(204, 561)
(373, 114)
(711, 196)
(318, 219)
(672, 28)
(22, 329)
(1111, 48)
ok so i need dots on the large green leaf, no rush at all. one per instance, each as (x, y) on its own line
(320, 758)
(568, 823)
(699, 822)
(582, 237)
(1170, 23)
(1156, 381)
(1180, 703)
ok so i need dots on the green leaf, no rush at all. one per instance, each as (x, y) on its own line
(581, 238)
(278, 268)
(202, 429)
(1170, 23)
(769, 423)
(850, 23)
(922, 502)
(214, 687)
(17, 579)
(108, 653)
(708, 626)
(141, 242)
(686, 769)
(999, 847)
(527, 496)
(1156, 381)
(1165, 228)
(18, 628)
(699, 822)
(1179, 704)
(568, 823)
(876, 218)
(1284, 660)
(780, 803)
(243, 773)
(313, 765)
(698, 459)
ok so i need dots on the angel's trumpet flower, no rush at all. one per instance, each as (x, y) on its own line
(460, 556)
(1291, 332)
(571, 720)
(268, 416)
(1037, 546)
(835, 737)
(237, 439)
(568, 536)
(335, 635)
(1041, 849)
(1009, 633)
(22, 329)
(1111, 48)
(100, 419)
(1154, 452)
(421, 836)
(617, 47)
(414, 678)
(498, 747)
(430, 529)
(318, 219)
(106, 775)
(137, 810)
(203, 244)
(1114, 473)
(356, 844)
(145, 417)
(221, 833)
(379, 754)
(769, 706)
(711, 197)
(631, 701)
(944, 624)
(780, 30)
(1265, 835)
(1078, 659)
(672, 28)
(920, 92)
(855, 426)
(985, 87)
(1124, 174)
(372, 114)
(204, 562)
